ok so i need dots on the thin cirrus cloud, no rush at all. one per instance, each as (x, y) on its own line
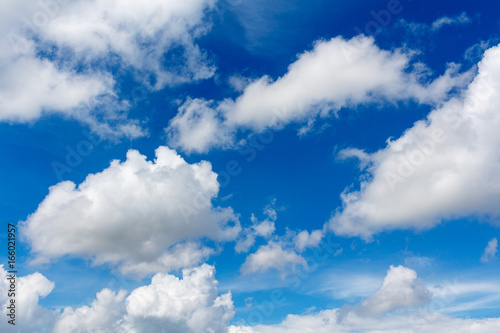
(438, 24)
(443, 167)
(142, 216)
(336, 73)
(461, 19)
(55, 57)
(490, 251)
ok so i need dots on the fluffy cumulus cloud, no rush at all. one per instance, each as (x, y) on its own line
(30, 316)
(55, 56)
(336, 73)
(103, 315)
(173, 305)
(490, 251)
(444, 167)
(145, 216)
(190, 304)
(271, 256)
(304, 239)
(400, 289)
(395, 307)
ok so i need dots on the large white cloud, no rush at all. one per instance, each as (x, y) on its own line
(444, 167)
(55, 56)
(337, 73)
(144, 216)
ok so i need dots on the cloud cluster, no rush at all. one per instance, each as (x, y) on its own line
(281, 251)
(336, 73)
(443, 167)
(191, 304)
(144, 216)
(384, 311)
(263, 229)
(56, 56)
(326, 322)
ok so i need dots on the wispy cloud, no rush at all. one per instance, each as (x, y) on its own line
(490, 251)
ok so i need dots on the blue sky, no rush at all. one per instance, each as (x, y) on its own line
(251, 166)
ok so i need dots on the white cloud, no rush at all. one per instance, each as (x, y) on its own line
(102, 316)
(400, 289)
(337, 73)
(443, 167)
(197, 126)
(133, 214)
(55, 56)
(490, 251)
(264, 229)
(461, 19)
(178, 256)
(177, 306)
(304, 239)
(271, 256)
